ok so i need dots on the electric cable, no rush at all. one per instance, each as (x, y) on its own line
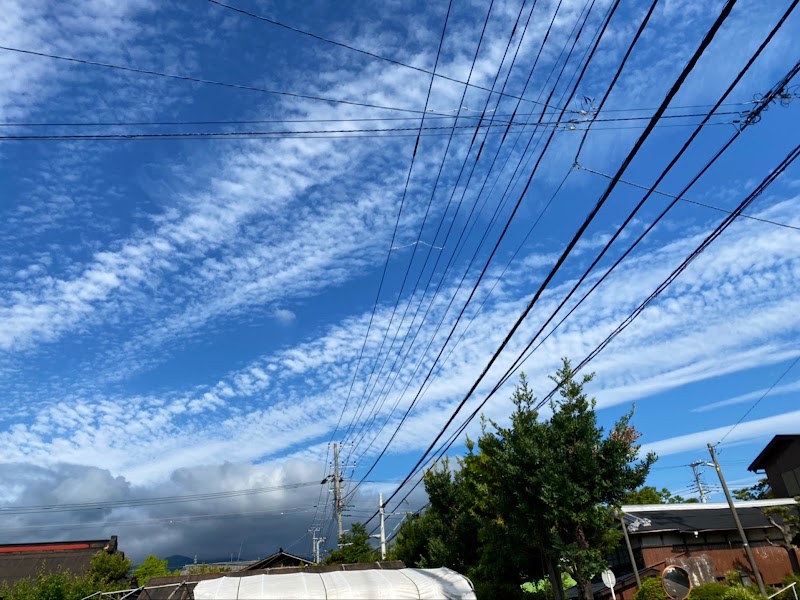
(238, 86)
(441, 167)
(422, 226)
(689, 201)
(110, 504)
(790, 158)
(758, 401)
(365, 52)
(458, 250)
(494, 250)
(706, 41)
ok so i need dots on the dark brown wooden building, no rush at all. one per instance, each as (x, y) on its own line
(780, 460)
(18, 561)
(281, 558)
(702, 538)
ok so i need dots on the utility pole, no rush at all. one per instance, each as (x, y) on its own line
(383, 529)
(695, 465)
(630, 550)
(747, 550)
(314, 547)
(337, 490)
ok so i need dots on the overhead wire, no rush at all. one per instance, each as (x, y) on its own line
(523, 356)
(444, 214)
(397, 222)
(491, 256)
(438, 176)
(391, 244)
(497, 211)
(790, 158)
(706, 41)
(110, 504)
(188, 78)
(480, 244)
(366, 52)
(689, 201)
(759, 399)
(429, 117)
(766, 99)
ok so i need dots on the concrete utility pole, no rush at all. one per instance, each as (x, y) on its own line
(383, 530)
(751, 559)
(314, 547)
(337, 490)
(630, 550)
(701, 491)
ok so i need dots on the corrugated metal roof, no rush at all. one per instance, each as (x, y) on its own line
(653, 518)
(18, 561)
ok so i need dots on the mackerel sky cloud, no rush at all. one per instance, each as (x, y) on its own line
(192, 315)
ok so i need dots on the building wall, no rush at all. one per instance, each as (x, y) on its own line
(711, 563)
(784, 472)
(706, 558)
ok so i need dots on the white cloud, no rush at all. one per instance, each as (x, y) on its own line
(756, 429)
(284, 315)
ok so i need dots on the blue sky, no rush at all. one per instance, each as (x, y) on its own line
(180, 316)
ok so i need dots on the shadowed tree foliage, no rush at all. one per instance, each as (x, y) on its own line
(759, 491)
(532, 498)
(108, 572)
(354, 547)
(651, 495)
(787, 520)
(152, 567)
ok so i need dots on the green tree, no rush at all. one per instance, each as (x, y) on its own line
(537, 493)
(649, 494)
(50, 586)
(787, 520)
(584, 475)
(204, 568)
(152, 567)
(354, 547)
(411, 543)
(109, 568)
(759, 491)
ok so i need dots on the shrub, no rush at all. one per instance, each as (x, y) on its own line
(739, 592)
(709, 591)
(651, 589)
(790, 579)
(733, 578)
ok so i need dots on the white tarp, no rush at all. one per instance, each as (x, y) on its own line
(372, 583)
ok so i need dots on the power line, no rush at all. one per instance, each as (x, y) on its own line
(168, 520)
(188, 78)
(791, 157)
(485, 268)
(498, 209)
(428, 117)
(368, 53)
(108, 504)
(385, 132)
(758, 401)
(438, 368)
(708, 37)
(450, 261)
(444, 214)
(396, 225)
(375, 306)
(687, 200)
(776, 92)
